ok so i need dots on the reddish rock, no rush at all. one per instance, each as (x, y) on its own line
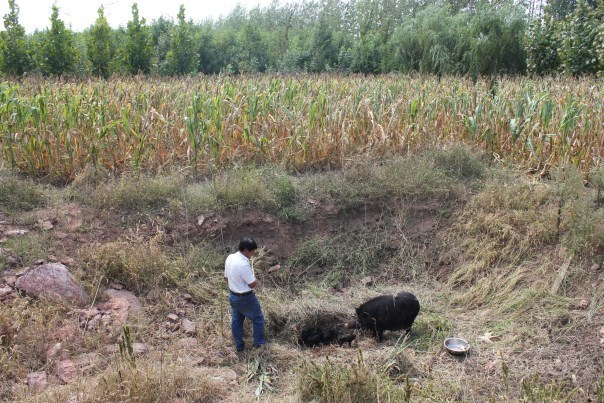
(190, 328)
(15, 232)
(36, 381)
(367, 281)
(66, 371)
(53, 281)
(4, 291)
(172, 317)
(119, 306)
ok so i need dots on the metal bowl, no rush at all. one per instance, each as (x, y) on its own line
(456, 345)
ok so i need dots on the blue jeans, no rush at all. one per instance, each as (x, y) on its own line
(246, 307)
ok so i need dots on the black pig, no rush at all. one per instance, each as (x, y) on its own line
(387, 312)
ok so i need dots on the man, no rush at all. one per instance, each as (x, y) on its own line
(240, 277)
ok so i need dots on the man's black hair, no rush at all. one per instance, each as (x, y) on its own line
(247, 243)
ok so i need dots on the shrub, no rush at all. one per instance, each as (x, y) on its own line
(18, 195)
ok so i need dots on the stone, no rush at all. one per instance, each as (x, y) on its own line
(36, 381)
(53, 281)
(116, 286)
(66, 371)
(583, 304)
(52, 258)
(595, 267)
(13, 260)
(15, 232)
(200, 220)
(188, 327)
(187, 297)
(10, 280)
(172, 317)
(119, 306)
(225, 375)
(53, 351)
(140, 348)
(45, 225)
(4, 291)
(367, 281)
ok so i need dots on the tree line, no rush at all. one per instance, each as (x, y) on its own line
(476, 37)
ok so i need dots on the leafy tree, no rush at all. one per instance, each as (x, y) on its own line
(580, 36)
(182, 57)
(543, 41)
(58, 52)
(100, 46)
(16, 54)
(138, 44)
(253, 54)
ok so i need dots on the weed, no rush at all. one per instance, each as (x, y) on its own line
(459, 162)
(534, 391)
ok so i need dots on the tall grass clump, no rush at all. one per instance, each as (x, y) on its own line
(139, 265)
(357, 382)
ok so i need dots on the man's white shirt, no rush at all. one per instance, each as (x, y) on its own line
(238, 271)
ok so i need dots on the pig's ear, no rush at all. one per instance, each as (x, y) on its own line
(366, 314)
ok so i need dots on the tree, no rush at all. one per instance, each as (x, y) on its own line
(580, 37)
(138, 44)
(16, 55)
(100, 46)
(543, 41)
(182, 57)
(58, 53)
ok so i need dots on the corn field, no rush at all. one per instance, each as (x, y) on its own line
(54, 128)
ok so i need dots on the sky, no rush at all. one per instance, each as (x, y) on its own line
(80, 14)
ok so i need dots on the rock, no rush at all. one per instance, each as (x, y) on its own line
(188, 327)
(116, 286)
(45, 225)
(274, 268)
(10, 280)
(52, 259)
(53, 281)
(53, 351)
(602, 336)
(188, 297)
(39, 262)
(119, 305)
(224, 375)
(367, 281)
(583, 304)
(172, 317)
(68, 261)
(4, 291)
(15, 232)
(66, 371)
(140, 348)
(200, 220)
(595, 267)
(36, 381)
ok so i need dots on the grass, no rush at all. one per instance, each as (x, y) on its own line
(18, 195)
(357, 382)
(139, 266)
